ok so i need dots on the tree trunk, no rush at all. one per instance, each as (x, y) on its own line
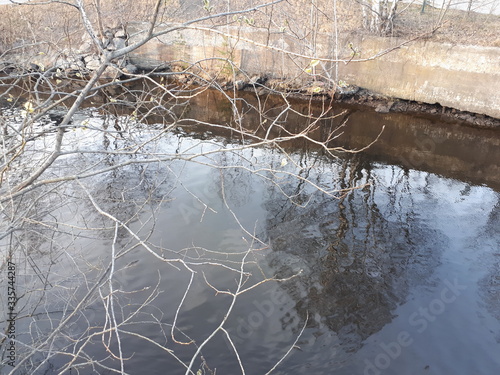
(379, 15)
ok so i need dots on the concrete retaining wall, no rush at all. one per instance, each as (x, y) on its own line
(462, 77)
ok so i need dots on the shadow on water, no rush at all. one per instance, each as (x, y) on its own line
(361, 259)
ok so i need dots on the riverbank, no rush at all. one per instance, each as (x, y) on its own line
(357, 96)
(435, 112)
(312, 91)
(419, 69)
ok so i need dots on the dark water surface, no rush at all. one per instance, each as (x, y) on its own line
(399, 276)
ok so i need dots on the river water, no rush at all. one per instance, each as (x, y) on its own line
(398, 276)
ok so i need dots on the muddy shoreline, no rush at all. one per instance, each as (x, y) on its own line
(348, 94)
(357, 96)
(313, 91)
(383, 104)
(437, 112)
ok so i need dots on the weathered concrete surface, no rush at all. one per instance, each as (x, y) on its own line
(463, 77)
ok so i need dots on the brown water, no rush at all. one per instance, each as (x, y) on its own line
(400, 276)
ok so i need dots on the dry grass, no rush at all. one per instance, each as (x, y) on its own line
(457, 27)
(58, 26)
(454, 26)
